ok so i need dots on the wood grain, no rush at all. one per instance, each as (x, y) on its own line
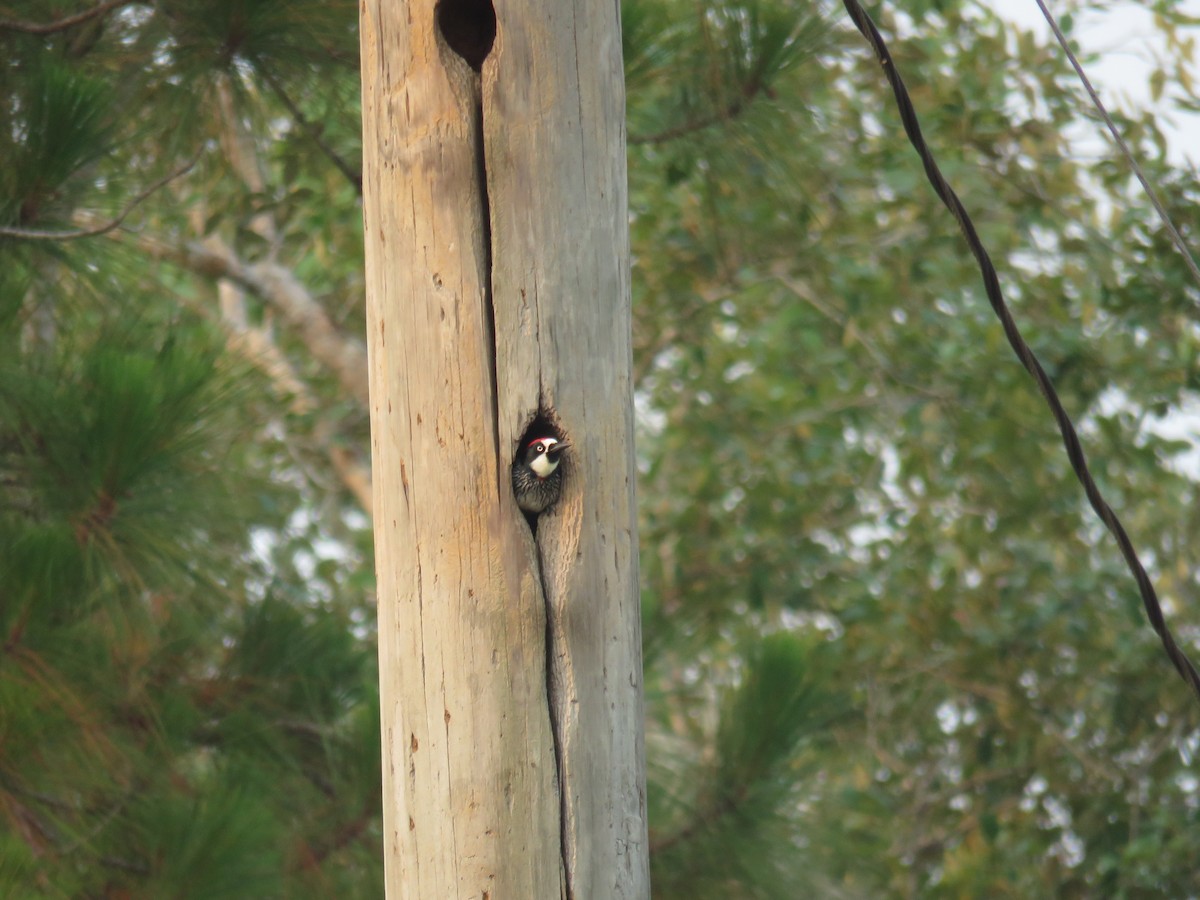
(481, 304)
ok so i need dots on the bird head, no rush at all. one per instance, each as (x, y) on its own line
(542, 455)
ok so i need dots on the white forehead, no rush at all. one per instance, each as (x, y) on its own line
(548, 441)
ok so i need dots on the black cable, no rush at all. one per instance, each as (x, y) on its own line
(991, 284)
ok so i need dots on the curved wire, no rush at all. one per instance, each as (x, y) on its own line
(991, 284)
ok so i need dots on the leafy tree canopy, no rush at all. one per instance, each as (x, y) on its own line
(888, 651)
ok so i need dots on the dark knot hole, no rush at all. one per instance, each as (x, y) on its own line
(469, 27)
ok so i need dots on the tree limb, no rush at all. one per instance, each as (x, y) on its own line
(33, 234)
(312, 856)
(346, 357)
(64, 23)
(313, 131)
(275, 284)
(726, 113)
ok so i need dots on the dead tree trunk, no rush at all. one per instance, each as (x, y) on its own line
(497, 292)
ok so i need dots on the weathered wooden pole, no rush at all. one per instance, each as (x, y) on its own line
(497, 291)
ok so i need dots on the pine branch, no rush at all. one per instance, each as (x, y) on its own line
(348, 833)
(346, 357)
(724, 805)
(66, 22)
(257, 347)
(313, 131)
(125, 865)
(31, 234)
(727, 113)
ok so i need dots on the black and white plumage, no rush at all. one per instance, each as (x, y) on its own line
(537, 474)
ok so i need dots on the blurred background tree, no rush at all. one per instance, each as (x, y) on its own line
(888, 651)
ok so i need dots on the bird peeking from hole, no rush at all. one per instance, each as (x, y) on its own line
(537, 475)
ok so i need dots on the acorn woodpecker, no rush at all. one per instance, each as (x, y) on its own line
(537, 475)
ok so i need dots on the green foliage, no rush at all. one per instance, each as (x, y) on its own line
(718, 817)
(150, 738)
(56, 124)
(275, 33)
(222, 844)
(888, 652)
(693, 68)
(834, 432)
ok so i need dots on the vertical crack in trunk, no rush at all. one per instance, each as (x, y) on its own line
(553, 703)
(553, 690)
(489, 300)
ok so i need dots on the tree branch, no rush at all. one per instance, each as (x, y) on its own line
(32, 234)
(722, 805)
(275, 284)
(345, 356)
(313, 131)
(727, 113)
(313, 856)
(66, 22)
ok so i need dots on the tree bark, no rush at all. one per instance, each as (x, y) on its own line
(497, 287)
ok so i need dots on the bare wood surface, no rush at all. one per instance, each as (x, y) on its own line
(481, 303)
(470, 795)
(554, 125)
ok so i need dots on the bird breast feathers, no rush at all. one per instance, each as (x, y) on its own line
(543, 466)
